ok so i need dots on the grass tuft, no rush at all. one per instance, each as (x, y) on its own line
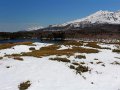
(24, 85)
(116, 50)
(18, 58)
(116, 63)
(60, 59)
(80, 57)
(81, 69)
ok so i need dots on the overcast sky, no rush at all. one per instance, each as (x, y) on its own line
(16, 15)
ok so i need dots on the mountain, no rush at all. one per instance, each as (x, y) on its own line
(34, 28)
(99, 17)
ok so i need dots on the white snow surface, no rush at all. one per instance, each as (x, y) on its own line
(99, 17)
(45, 74)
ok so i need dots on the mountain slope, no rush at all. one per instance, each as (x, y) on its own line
(100, 17)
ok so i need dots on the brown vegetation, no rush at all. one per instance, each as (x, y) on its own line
(1, 58)
(93, 45)
(116, 63)
(60, 59)
(32, 48)
(18, 58)
(52, 50)
(24, 85)
(116, 50)
(9, 45)
(80, 57)
(73, 43)
(81, 69)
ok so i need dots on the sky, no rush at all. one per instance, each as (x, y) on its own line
(17, 15)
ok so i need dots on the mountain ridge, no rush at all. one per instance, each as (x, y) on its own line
(99, 17)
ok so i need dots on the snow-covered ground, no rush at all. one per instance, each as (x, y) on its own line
(45, 74)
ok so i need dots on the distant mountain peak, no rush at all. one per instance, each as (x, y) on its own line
(34, 28)
(99, 17)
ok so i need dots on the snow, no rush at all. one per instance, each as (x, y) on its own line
(22, 48)
(34, 28)
(99, 17)
(45, 74)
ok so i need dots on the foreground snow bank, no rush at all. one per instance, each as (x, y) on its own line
(45, 74)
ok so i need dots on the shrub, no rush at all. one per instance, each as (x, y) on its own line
(72, 67)
(81, 69)
(32, 48)
(7, 66)
(91, 62)
(95, 59)
(80, 57)
(24, 85)
(60, 59)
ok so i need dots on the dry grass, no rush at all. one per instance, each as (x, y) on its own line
(60, 59)
(51, 47)
(116, 63)
(52, 50)
(73, 43)
(95, 59)
(9, 45)
(80, 57)
(72, 67)
(93, 45)
(117, 57)
(81, 69)
(1, 58)
(18, 58)
(116, 50)
(32, 48)
(24, 85)
(75, 63)
(99, 62)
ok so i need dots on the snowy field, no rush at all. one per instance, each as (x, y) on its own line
(46, 74)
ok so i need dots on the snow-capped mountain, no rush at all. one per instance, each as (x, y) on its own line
(99, 17)
(34, 28)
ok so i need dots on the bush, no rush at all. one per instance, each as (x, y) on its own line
(60, 59)
(72, 67)
(24, 85)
